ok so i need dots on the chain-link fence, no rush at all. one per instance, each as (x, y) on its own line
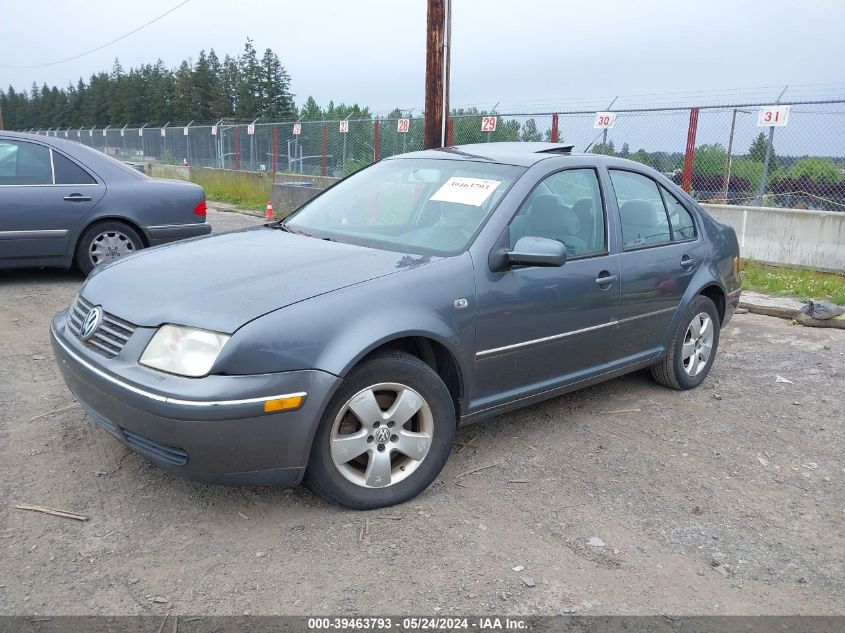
(725, 153)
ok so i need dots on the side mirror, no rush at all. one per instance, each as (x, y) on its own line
(537, 251)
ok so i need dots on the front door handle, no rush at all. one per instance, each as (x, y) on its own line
(687, 262)
(77, 197)
(605, 279)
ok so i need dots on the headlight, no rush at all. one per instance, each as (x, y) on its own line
(185, 351)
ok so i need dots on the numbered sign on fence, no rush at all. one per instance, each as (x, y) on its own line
(344, 127)
(250, 129)
(604, 120)
(140, 131)
(121, 131)
(104, 132)
(214, 130)
(78, 133)
(90, 132)
(65, 133)
(488, 124)
(184, 131)
(403, 125)
(297, 129)
(164, 131)
(773, 116)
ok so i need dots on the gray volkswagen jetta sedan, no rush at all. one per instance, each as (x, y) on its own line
(63, 203)
(346, 343)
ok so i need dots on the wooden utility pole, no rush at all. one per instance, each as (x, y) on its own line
(437, 72)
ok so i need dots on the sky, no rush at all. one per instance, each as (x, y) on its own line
(531, 55)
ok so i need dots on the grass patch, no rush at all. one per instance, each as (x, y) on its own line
(793, 282)
(246, 190)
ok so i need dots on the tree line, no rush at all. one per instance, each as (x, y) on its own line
(244, 87)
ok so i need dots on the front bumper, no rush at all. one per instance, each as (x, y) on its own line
(172, 232)
(213, 428)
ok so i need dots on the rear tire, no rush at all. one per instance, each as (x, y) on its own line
(693, 348)
(385, 435)
(105, 242)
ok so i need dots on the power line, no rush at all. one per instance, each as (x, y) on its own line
(101, 46)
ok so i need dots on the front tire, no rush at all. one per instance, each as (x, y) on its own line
(693, 347)
(106, 242)
(385, 435)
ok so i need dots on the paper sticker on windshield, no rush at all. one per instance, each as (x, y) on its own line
(472, 191)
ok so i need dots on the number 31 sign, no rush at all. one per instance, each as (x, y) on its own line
(773, 116)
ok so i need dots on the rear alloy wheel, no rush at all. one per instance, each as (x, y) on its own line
(693, 348)
(104, 243)
(386, 434)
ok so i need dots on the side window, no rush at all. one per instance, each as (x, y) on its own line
(644, 221)
(683, 228)
(566, 207)
(69, 173)
(24, 163)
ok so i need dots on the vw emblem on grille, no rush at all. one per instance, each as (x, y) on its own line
(90, 323)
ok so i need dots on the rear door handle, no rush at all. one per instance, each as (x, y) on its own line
(606, 280)
(77, 197)
(687, 262)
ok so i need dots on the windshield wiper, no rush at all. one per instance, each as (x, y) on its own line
(281, 224)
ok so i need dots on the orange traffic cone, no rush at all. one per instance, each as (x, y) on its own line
(268, 215)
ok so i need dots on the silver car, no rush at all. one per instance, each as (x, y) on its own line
(62, 203)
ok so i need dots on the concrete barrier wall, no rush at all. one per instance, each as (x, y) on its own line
(787, 237)
(178, 172)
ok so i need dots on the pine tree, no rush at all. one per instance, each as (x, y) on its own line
(183, 95)
(530, 131)
(757, 151)
(218, 100)
(310, 110)
(275, 99)
(249, 86)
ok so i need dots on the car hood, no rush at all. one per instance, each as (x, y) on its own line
(223, 281)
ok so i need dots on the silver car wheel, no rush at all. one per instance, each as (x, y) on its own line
(381, 435)
(108, 246)
(698, 343)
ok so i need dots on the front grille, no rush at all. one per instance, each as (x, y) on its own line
(107, 425)
(162, 452)
(109, 337)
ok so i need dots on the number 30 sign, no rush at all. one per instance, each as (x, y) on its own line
(773, 116)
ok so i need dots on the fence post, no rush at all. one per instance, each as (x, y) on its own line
(275, 149)
(325, 146)
(450, 131)
(237, 147)
(686, 176)
(375, 141)
(553, 136)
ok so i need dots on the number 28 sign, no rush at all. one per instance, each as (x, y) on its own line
(403, 125)
(488, 124)
(773, 116)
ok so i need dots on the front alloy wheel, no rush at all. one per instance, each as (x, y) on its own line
(385, 435)
(381, 435)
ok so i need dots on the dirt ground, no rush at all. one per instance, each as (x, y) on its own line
(727, 499)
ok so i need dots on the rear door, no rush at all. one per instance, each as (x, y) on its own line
(661, 251)
(44, 195)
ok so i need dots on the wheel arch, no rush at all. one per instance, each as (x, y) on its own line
(717, 295)
(111, 217)
(433, 352)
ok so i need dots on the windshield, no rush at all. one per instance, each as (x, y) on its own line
(414, 205)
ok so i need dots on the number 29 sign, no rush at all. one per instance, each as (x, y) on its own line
(488, 124)
(773, 116)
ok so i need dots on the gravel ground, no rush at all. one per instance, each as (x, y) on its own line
(624, 498)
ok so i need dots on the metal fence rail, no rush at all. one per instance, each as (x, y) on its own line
(718, 153)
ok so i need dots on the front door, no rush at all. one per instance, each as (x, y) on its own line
(536, 327)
